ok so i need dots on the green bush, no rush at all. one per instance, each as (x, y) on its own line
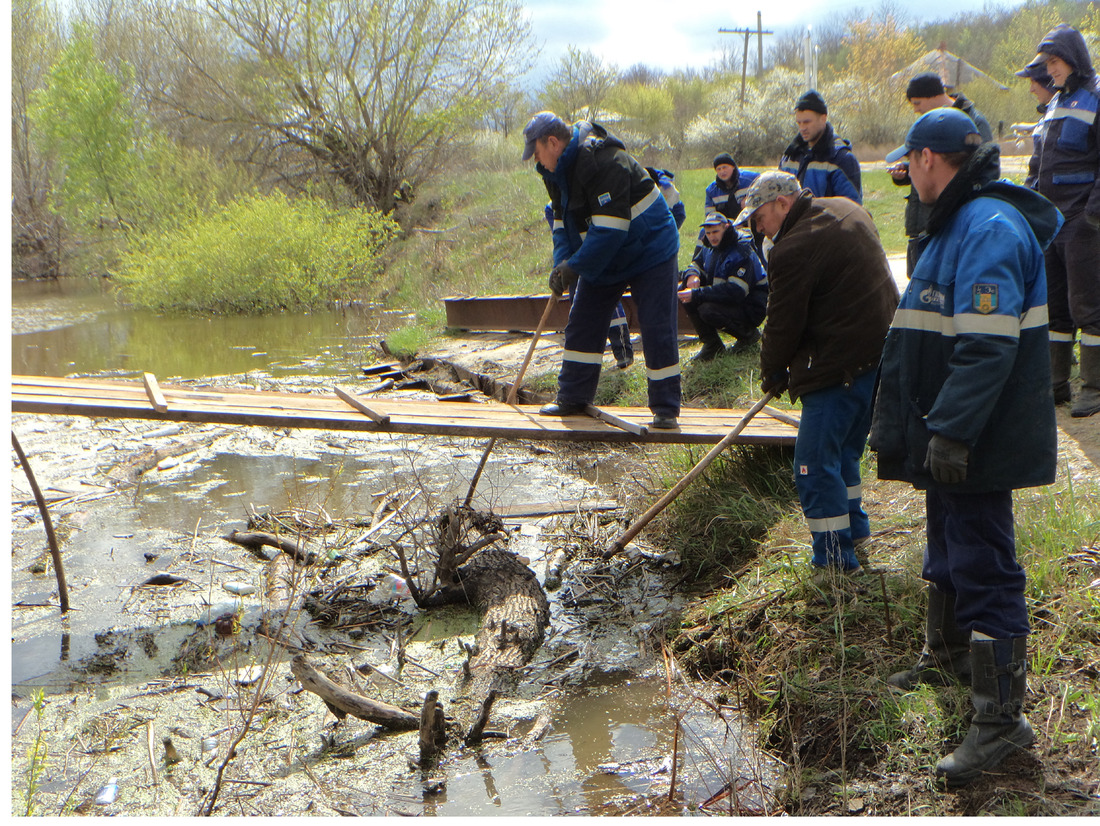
(256, 255)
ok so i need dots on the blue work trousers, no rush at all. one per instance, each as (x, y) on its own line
(654, 294)
(971, 555)
(832, 435)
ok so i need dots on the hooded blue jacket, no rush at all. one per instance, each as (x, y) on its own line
(610, 220)
(1065, 166)
(731, 273)
(967, 354)
(828, 168)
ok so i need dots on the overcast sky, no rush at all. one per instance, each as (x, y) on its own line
(673, 34)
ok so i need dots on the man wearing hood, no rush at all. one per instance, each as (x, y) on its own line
(821, 160)
(1065, 167)
(925, 93)
(964, 411)
(612, 230)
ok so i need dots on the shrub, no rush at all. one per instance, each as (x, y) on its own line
(256, 255)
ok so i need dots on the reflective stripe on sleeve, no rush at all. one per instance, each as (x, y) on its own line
(855, 492)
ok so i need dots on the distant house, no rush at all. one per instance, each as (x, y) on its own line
(952, 69)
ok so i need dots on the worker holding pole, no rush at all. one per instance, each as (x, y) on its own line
(832, 298)
(616, 231)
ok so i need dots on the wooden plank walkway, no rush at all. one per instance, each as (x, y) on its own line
(344, 410)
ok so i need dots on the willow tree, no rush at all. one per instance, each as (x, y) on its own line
(376, 92)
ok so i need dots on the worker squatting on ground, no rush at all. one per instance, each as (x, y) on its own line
(616, 232)
(964, 410)
(821, 160)
(1065, 167)
(925, 93)
(830, 305)
(724, 289)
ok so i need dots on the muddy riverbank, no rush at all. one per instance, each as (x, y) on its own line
(590, 728)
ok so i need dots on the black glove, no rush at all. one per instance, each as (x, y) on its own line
(776, 382)
(947, 459)
(562, 277)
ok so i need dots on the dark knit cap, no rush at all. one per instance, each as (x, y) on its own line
(925, 85)
(723, 157)
(813, 102)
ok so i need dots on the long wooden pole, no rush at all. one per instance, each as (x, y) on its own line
(51, 538)
(513, 392)
(676, 489)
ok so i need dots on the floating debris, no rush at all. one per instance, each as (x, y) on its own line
(107, 794)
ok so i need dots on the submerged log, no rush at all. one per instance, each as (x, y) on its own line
(340, 699)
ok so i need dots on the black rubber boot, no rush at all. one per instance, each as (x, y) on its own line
(1088, 400)
(708, 335)
(1061, 354)
(946, 654)
(999, 726)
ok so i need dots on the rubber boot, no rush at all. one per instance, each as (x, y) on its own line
(946, 654)
(999, 726)
(1088, 400)
(1061, 354)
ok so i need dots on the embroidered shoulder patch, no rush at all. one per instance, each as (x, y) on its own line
(985, 298)
(605, 199)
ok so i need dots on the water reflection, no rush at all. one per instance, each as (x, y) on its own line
(78, 328)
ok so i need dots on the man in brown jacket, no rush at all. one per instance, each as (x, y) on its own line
(831, 302)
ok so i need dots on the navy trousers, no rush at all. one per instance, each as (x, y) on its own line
(832, 435)
(971, 554)
(654, 294)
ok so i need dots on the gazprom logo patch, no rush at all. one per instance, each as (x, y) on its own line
(605, 199)
(932, 296)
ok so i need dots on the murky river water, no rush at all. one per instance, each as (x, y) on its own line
(612, 726)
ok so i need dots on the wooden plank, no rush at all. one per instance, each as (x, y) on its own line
(403, 417)
(358, 405)
(152, 390)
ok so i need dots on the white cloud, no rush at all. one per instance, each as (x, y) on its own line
(671, 34)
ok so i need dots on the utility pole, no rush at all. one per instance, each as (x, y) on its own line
(759, 32)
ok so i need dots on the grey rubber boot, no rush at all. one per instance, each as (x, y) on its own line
(946, 654)
(1088, 400)
(999, 726)
(1061, 354)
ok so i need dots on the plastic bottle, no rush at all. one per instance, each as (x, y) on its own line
(390, 587)
(107, 794)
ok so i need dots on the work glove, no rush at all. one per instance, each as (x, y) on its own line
(562, 277)
(776, 382)
(947, 460)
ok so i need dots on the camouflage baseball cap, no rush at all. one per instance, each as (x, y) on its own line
(765, 189)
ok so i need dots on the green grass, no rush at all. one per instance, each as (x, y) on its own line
(483, 233)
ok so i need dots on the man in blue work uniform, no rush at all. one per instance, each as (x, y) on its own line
(723, 195)
(830, 303)
(616, 231)
(925, 93)
(724, 288)
(964, 411)
(1065, 167)
(822, 161)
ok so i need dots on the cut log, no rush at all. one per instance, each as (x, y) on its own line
(337, 697)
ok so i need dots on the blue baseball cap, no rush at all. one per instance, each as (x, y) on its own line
(941, 130)
(541, 125)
